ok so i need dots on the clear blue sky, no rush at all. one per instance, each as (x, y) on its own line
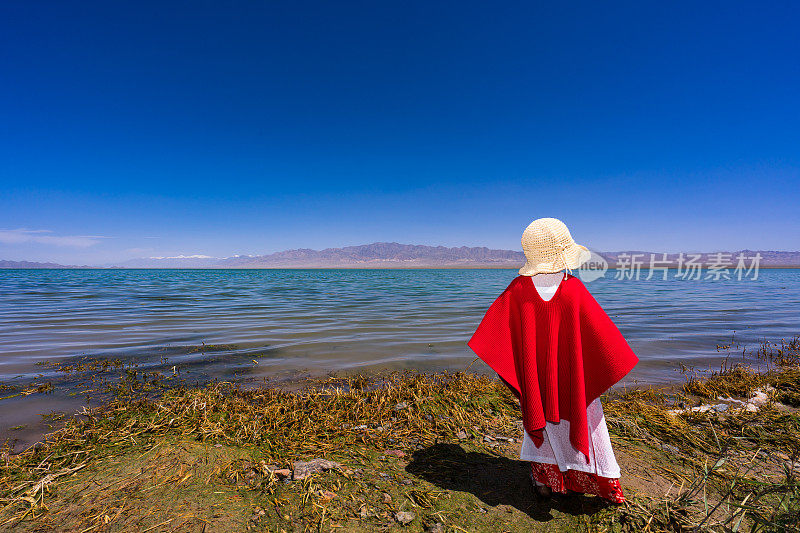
(136, 129)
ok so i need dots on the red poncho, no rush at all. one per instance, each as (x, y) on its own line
(559, 355)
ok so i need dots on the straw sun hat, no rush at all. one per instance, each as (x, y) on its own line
(549, 248)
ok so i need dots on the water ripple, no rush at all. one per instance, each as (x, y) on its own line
(320, 320)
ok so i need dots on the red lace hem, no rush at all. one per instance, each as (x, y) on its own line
(575, 480)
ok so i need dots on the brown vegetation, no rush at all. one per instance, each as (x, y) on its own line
(412, 453)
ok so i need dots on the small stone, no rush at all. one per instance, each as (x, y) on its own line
(436, 527)
(218, 446)
(363, 512)
(671, 449)
(759, 398)
(359, 428)
(327, 495)
(400, 406)
(396, 453)
(404, 517)
(462, 435)
(303, 469)
(387, 498)
(487, 438)
(282, 473)
(406, 482)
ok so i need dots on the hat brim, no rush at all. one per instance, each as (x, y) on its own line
(574, 256)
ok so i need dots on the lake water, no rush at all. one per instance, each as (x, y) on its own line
(284, 324)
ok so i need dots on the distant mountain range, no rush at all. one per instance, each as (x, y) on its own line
(375, 255)
(395, 255)
(769, 258)
(34, 264)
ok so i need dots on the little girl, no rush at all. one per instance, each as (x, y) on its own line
(558, 351)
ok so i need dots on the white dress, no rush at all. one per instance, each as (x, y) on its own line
(556, 448)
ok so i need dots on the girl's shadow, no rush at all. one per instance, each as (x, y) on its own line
(495, 480)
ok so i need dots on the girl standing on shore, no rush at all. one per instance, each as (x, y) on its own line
(557, 350)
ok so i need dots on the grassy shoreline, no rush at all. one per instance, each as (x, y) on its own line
(413, 452)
